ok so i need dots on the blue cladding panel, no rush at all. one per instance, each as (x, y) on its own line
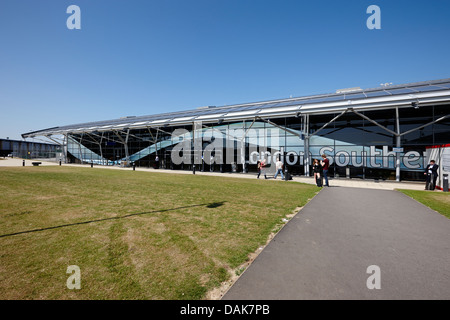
(401, 91)
(426, 88)
(377, 94)
(354, 96)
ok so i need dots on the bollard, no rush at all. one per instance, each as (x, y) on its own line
(23, 163)
(92, 164)
(134, 166)
(445, 183)
(347, 172)
(60, 162)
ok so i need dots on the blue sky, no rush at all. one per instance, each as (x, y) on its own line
(141, 57)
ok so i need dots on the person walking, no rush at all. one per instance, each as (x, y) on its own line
(317, 168)
(431, 175)
(261, 168)
(258, 167)
(211, 165)
(279, 168)
(325, 165)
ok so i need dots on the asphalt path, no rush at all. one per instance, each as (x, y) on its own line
(351, 243)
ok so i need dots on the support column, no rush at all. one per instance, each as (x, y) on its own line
(79, 148)
(127, 155)
(125, 144)
(244, 168)
(101, 150)
(197, 149)
(66, 147)
(306, 143)
(398, 145)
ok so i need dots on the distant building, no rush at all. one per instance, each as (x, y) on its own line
(28, 149)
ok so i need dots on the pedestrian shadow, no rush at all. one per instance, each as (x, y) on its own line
(207, 205)
(215, 205)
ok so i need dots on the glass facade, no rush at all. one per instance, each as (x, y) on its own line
(360, 145)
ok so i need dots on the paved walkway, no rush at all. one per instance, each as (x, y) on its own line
(325, 250)
(17, 162)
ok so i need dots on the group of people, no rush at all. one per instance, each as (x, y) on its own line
(261, 165)
(320, 169)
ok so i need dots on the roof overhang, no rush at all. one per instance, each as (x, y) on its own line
(367, 100)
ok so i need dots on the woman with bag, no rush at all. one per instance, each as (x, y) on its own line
(317, 168)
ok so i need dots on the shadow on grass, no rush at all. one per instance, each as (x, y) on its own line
(207, 205)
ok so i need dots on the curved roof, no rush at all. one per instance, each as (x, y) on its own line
(428, 92)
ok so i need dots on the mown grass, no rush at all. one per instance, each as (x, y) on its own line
(134, 235)
(438, 201)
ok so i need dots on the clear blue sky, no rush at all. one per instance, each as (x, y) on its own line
(141, 57)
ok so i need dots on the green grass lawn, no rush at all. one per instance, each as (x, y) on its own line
(134, 235)
(438, 201)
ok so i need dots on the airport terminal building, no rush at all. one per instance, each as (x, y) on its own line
(378, 133)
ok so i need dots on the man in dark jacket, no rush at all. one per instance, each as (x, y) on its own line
(431, 175)
(325, 165)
